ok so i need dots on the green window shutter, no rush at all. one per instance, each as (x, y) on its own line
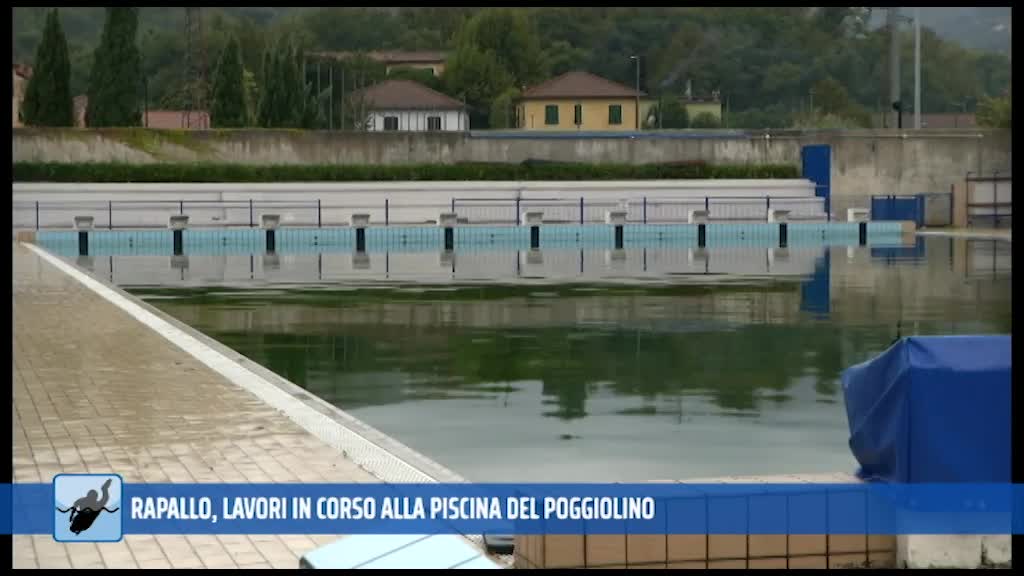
(551, 115)
(577, 114)
(615, 114)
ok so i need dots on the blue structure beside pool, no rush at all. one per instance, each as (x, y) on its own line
(933, 410)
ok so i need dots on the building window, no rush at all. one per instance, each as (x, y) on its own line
(433, 122)
(551, 115)
(391, 122)
(615, 114)
(577, 114)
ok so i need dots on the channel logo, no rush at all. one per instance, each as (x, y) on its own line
(87, 508)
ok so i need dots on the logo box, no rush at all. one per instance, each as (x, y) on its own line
(88, 508)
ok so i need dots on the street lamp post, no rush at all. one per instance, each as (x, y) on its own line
(637, 58)
(917, 68)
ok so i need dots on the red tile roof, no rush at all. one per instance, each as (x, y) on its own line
(580, 85)
(407, 95)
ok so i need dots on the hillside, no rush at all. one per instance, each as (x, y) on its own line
(763, 61)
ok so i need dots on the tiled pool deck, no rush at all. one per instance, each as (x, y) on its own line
(98, 391)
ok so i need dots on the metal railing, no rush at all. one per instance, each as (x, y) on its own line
(134, 214)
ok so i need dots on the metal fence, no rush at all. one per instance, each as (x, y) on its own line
(127, 214)
(989, 199)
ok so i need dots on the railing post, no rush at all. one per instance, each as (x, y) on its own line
(319, 215)
(181, 207)
(767, 206)
(110, 214)
(453, 205)
(581, 210)
(517, 211)
(707, 207)
(37, 215)
(645, 209)
(386, 214)
(251, 222)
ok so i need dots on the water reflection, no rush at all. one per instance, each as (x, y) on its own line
(719, 373)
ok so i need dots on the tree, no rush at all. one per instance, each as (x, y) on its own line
(705, 120)
(425, 77)
(229, 109)
(995, 112)
(115, 79)
(48, 100)
(672, 114)
(476, 77)
(510, 37)
(503, 110)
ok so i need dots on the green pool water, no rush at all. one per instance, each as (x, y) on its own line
(554, 381)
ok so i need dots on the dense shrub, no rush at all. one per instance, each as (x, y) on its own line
(120, 172)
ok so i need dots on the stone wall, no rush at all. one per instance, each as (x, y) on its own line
(863, 162)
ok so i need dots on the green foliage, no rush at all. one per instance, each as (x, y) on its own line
(287, 98)
(425, 77)
(995, 112)
(48, 100)
(764, 61)
(229, 109)
(673, 114)
(120, 172)
(503, 110)
(476, 77)
(705, 120)
(508, 34)
(115, 81)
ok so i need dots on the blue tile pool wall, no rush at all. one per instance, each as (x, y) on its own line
(430, 239)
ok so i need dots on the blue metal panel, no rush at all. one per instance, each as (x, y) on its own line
(902, 208)
(816, 166)
(816, 294)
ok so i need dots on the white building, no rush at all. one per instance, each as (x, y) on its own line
(407, 106)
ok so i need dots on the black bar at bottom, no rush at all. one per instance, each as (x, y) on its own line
(83, 243)
(702, 235)
(271, 241)
(360, 239)
(783, 235)
(618, 237)
(178, 244)
(534, 237)
(449, 238)
(863, 229)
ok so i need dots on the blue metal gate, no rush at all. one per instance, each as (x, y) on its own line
(816, 166)
(901, 208)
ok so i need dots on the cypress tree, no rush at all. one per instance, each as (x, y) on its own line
(115, 78)
(229, 106)
(48, 99)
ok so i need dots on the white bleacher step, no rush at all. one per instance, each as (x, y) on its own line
(398, 551)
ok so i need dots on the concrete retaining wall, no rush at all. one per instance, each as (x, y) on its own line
(864, 162)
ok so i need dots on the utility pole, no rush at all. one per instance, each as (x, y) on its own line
(894, 67)
(917, 68)
(637, 58)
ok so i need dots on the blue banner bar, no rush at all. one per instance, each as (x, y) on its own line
(530, 509)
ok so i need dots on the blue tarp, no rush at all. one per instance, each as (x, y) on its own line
(932, 409)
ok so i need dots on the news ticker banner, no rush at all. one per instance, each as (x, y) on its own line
(101, 508)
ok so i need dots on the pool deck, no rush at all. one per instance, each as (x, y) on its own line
(974, 233)
(97, 390)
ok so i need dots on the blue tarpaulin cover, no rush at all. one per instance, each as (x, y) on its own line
(932, 409)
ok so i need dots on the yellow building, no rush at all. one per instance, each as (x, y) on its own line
(696, 107)
(581, 101)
